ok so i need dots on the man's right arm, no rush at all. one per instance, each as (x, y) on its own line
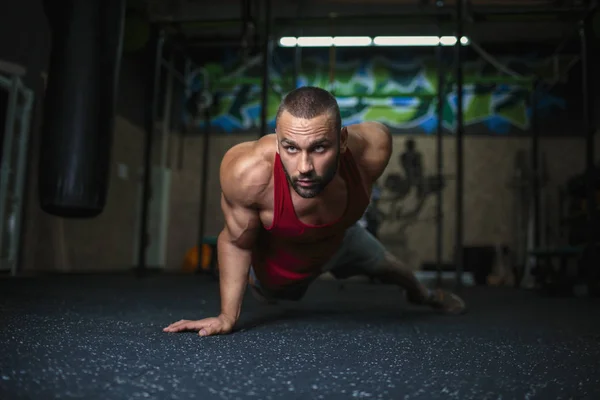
(244, 178)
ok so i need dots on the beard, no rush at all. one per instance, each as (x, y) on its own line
(318, 183)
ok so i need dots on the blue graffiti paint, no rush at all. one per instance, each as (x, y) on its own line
(253, 112)
(430, 124)
(547, 101)
(498, 125)
(404, 102)
(355, 119)
(224, 123)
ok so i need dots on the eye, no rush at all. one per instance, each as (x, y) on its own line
(290, 149)
(319, 149)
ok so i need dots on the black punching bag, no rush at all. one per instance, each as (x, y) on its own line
(79, 108)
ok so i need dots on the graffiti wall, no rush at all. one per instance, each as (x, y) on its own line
(400, 92)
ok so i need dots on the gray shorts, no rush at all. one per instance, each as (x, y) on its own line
(360, 254)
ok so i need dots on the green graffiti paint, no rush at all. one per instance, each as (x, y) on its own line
(399, 94)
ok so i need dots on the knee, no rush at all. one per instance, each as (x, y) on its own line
(389, 261)
(390, 264)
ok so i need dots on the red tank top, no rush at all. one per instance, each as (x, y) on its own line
(290, 251)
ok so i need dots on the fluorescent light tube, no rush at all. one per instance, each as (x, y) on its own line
(451, 40)
(288, 41)
(406, 41)
(352, 41)
(360, 41)
(315, 41)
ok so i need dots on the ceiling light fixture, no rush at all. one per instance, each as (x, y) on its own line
(362, 41)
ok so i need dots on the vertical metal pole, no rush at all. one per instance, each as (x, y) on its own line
(264, 109)
(6, 163)
(589, 132)
(332, 58)
(459, 253)
(166, 119)
(150, 116)
(184, 126)
(16, 240)
(296, 66)
(535, 165)
(297, 62)
(203, 184)
(439, 155)
(295, 70)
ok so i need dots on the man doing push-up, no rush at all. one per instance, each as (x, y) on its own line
(291, 202)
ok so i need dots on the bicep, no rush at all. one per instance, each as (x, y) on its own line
(244, 177)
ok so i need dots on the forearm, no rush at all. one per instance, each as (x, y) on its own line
(234, 265)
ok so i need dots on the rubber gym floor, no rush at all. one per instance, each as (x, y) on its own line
(100, 337)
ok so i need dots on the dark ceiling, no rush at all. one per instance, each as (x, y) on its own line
(205, 23)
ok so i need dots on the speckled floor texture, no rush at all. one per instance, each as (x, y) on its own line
(100, 337)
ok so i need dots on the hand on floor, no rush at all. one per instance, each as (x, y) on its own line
(206, 327)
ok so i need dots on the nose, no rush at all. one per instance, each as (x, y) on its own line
(305, 165)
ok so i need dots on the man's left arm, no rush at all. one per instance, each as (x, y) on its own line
(375, 143)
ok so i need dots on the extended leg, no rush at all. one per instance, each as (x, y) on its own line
(363, 254)
(393, 271)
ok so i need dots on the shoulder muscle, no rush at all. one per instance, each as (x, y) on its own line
(244, 176)
(373, 145)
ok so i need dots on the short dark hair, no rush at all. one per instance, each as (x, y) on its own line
(309, 102)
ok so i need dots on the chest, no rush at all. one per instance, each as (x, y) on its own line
(342, 204)
(312, 212)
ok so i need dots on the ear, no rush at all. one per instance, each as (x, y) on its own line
(343, 139)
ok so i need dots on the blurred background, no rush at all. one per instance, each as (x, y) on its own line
(115, 123)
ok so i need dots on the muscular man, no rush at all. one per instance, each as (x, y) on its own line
(291, 202)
